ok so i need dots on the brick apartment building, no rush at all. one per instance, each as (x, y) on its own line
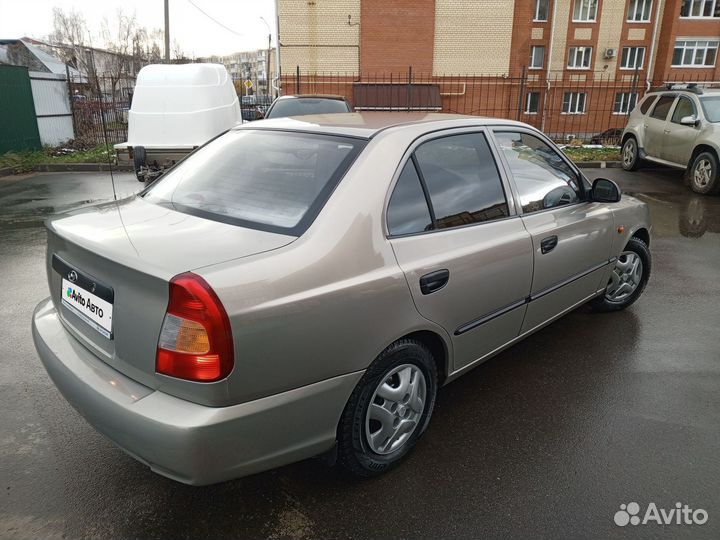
(564, 65)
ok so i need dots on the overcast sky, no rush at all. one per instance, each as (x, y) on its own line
(197, 34)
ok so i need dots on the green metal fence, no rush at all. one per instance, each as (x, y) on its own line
(18, 122)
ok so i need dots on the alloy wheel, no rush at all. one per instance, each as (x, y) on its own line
(702, 174)
(395, 409)
(629, 153)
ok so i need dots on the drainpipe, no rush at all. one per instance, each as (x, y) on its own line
(277, 81)
(656, 29)
(549, 63)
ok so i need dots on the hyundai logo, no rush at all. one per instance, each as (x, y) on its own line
(72, 276)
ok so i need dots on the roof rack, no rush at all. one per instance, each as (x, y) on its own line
(688, 87)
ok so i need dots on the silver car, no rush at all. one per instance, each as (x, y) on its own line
(679, 127)
(304, 285)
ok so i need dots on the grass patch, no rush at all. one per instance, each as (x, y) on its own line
(28, 160)
(579, 154)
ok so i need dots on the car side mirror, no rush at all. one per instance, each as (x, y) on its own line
(689, 120)
(604, 190)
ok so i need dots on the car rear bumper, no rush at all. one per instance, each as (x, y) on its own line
(187, 442)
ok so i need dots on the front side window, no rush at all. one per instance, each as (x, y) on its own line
(700, 9)
(574, 102)
(408, 212)
(585, 11)
(542, 177)
(683, 108)
(632, 58)
(537, 57)
(542, 8)
(269, 180)
(624, 102)
(662, 107)
(532, 102)
(462, 180)
(639, 10)
(579, 57)
(695, 53)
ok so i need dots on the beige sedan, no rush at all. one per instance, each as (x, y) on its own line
(304, 284)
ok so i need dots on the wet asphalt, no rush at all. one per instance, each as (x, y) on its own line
(546, 440)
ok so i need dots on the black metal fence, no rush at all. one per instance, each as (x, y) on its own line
(590, 106)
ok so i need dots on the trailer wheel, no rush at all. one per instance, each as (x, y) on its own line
(139, 162)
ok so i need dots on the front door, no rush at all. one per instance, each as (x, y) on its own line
(679, 139)
(571, 237)
(465, 253)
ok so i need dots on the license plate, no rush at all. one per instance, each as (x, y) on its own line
(92, 309)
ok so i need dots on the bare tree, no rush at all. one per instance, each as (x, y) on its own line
(71, 41)
(122, 38)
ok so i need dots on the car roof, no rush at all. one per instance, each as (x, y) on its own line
(313, 96)
(368, 124)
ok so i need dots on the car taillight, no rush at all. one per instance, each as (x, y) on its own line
(196, 339)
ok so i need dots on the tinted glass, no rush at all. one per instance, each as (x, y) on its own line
(268, 180)
(543, 179)
(462, 180)
(303, 106)
(662, 107)
(683, 108)
(408, 210)
(646, 104)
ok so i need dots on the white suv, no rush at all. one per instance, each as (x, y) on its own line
(679, 127)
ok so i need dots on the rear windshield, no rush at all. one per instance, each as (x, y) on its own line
(269, 180)
(711, 106)
(303, 106)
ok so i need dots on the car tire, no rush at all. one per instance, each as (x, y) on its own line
(365, 443)
(139, 161)
(630, 154)
(704, 174)
(633, 283)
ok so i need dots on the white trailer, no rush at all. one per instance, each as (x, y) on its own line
(175, 109)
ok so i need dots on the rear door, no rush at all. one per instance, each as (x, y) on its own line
(679, 139)
(571, 237)
(655, 126)
(466, 255)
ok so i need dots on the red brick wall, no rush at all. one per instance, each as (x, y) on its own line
(397, 34)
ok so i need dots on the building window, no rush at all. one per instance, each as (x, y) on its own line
(542, 8)
(624, 102)
(574, 103)
(532, 102)
(632, 58)
(585, 11)
(639, 10)
(537, 57)
(695, 53)
(700, 9)
(579, 57)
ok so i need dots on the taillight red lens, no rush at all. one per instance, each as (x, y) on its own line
(196, 339)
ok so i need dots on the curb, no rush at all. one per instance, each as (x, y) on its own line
(599, 164)
(7, 171)
(81, 167)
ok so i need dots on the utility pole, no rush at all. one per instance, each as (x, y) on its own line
(167, 32)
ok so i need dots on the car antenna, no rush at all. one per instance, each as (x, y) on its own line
(107, 146)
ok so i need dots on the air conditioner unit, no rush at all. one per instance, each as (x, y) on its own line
(610, 53)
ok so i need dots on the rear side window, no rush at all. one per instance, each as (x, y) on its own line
(647, 102)
(268, 180)
(662, 107)
(462, 180)
(408, 211)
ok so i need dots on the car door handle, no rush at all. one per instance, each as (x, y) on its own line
(434, 281)
(548, 244)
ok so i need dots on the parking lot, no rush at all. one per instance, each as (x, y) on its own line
(547, 439)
